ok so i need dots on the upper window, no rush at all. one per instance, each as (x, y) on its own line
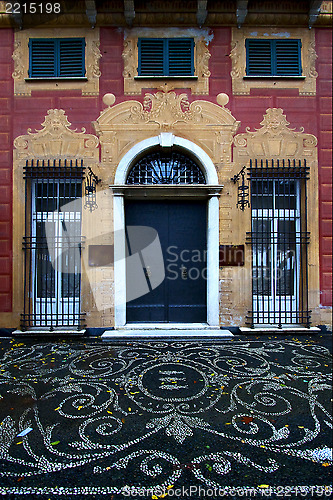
(56, 58)
(273, 57)
(166, 57)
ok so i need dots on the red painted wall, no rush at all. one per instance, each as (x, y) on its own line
(312, 113)
(6, 140)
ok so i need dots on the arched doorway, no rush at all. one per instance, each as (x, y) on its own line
(167, 184)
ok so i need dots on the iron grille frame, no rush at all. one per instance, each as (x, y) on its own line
(159, 168)
(280, 310)
(47, 173)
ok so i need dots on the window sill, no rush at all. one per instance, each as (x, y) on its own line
(161, 77)
(57, 79)
(274, 77)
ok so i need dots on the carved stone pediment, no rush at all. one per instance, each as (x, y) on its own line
(56, 140)
(275, 139)
(121, 126)
(163, 110)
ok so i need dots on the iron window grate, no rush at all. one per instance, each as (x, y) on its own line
(279, 242)
(161, 168)
(52, 244)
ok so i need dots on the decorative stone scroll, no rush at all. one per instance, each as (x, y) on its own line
(56, 140)
(275, 139)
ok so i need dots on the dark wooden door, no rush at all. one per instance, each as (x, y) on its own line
(182, 296)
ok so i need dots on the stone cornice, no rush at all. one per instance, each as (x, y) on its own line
(173, 13)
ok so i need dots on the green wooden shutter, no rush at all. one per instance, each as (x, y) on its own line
(151, 57)
(273, 57)
(58, 57)
(42, 58)
(71, 57)
(180, 57)
(258, 57)
(288, 57)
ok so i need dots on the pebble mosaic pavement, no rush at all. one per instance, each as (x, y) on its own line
(95, 417)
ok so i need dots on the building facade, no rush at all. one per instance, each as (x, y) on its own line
(165, 163)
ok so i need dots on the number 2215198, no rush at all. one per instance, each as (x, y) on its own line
(32, 8)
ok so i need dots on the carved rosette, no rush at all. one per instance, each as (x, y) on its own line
(275, 139)
(56, 140)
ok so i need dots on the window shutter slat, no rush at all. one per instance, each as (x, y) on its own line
(180, 57)
(288, 57)
(151, 57)
(71, 58)
(42, 59)
(258, 57)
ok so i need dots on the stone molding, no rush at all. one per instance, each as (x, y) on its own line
(199, 85)
(275, 139)
(209, 125)
(242, 85)
(56, 140)
(24, 86)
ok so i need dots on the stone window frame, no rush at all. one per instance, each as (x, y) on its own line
(242, 84)
(89, 85)
(198, 84)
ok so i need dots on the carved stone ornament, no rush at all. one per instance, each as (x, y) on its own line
(56, 140)
(242, 85)
(199, 84)
(89, 85)
(210, 125)
(275, 139)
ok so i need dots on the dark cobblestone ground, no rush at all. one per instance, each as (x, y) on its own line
(246, 417)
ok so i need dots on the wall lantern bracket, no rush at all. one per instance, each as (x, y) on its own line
(243, 190)
(90, 184)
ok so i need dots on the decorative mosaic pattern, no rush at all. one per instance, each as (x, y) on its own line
(94, 418)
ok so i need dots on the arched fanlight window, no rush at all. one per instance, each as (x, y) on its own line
(165, 168)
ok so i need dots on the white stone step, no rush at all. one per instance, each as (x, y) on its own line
(285, 330)
(171, 333)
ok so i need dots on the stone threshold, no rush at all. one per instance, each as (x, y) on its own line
(47, 333)
(285, 330)
(165, 334)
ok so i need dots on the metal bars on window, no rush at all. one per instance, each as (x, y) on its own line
(161, 168)
(279, 240)
(52, 244)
